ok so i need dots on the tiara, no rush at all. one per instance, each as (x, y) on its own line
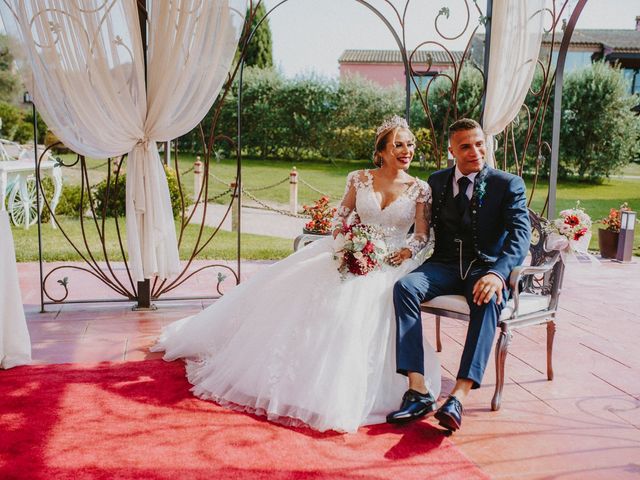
(393, 122)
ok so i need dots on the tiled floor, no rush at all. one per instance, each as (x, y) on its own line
(584, 424)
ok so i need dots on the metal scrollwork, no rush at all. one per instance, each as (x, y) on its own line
(97, 262)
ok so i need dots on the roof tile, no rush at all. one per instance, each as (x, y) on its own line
(394, 56)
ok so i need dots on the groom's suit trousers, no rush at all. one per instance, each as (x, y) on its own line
(430, 280)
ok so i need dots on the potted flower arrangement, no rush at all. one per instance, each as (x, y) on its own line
(321, 215)
(608, 236)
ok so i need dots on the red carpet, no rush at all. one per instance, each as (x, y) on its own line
(139, 420)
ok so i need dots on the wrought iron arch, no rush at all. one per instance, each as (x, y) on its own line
(160, 288)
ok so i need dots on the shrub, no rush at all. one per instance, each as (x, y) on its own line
(69, 203)
(50, 139)
(11, 117)
(298, 117)
(350, 142)
(174, 192)
(116, 202)
(9, 86)
(424, 145)
(42, 126)
(23, 133)
(47, 188)
(109, 198)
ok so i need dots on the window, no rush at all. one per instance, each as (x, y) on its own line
(574, 60)
(633, 78)
(422, 82)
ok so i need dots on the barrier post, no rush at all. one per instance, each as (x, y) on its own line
(197, 179)
(235, 208)
(293, 191)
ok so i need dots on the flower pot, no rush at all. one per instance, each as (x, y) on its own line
(313, 232)
(608, 242)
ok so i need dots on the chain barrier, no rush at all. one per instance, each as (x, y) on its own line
(220, 195)
(97, 167)
(257, 189)
(313, 188)
(268, 186)
(263, 205)
(218, 179)
(273, 209)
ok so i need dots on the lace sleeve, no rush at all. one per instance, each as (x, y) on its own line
(420, 237)
(348, 202)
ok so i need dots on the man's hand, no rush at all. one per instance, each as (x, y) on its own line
(485, 287)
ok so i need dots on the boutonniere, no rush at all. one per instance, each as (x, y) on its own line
(480, 191)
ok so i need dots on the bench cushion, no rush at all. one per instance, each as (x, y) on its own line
(529, 303)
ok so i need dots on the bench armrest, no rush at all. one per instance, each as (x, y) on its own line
(522, 271)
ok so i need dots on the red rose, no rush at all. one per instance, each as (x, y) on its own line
(354, 265)
(572, 220)
(368, 248)
(579, 233)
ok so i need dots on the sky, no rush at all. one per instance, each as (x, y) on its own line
(310, 35)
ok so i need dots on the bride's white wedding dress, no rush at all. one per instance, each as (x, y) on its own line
(298, 344)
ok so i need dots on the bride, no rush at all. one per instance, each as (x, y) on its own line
(298, 344)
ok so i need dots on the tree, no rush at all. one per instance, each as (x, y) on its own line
(12, 117)
(259, 51)
(446, 105)
(600, 133)
(10, 84)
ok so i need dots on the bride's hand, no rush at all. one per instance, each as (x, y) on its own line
(396, 258)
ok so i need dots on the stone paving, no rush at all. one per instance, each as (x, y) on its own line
(583, 424)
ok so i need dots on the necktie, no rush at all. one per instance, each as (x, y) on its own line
(462, 201)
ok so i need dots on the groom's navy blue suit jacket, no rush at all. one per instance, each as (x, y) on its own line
(499, 217)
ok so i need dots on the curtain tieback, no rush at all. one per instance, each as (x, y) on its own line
(144, 142)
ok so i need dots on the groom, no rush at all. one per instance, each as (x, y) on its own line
(482, 232)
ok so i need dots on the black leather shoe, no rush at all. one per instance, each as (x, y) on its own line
(449, 415)
(414, 405)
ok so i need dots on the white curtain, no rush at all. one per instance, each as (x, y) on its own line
(516, 34)
(84, 64)
(15, 344)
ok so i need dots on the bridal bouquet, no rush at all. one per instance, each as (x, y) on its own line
(359, 249)
(573, 223)
(571, 232)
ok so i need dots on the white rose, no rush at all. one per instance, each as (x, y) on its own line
(338, 242)
(359, 243)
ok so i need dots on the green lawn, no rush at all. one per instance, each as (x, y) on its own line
(57, 248)
(324, 176)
